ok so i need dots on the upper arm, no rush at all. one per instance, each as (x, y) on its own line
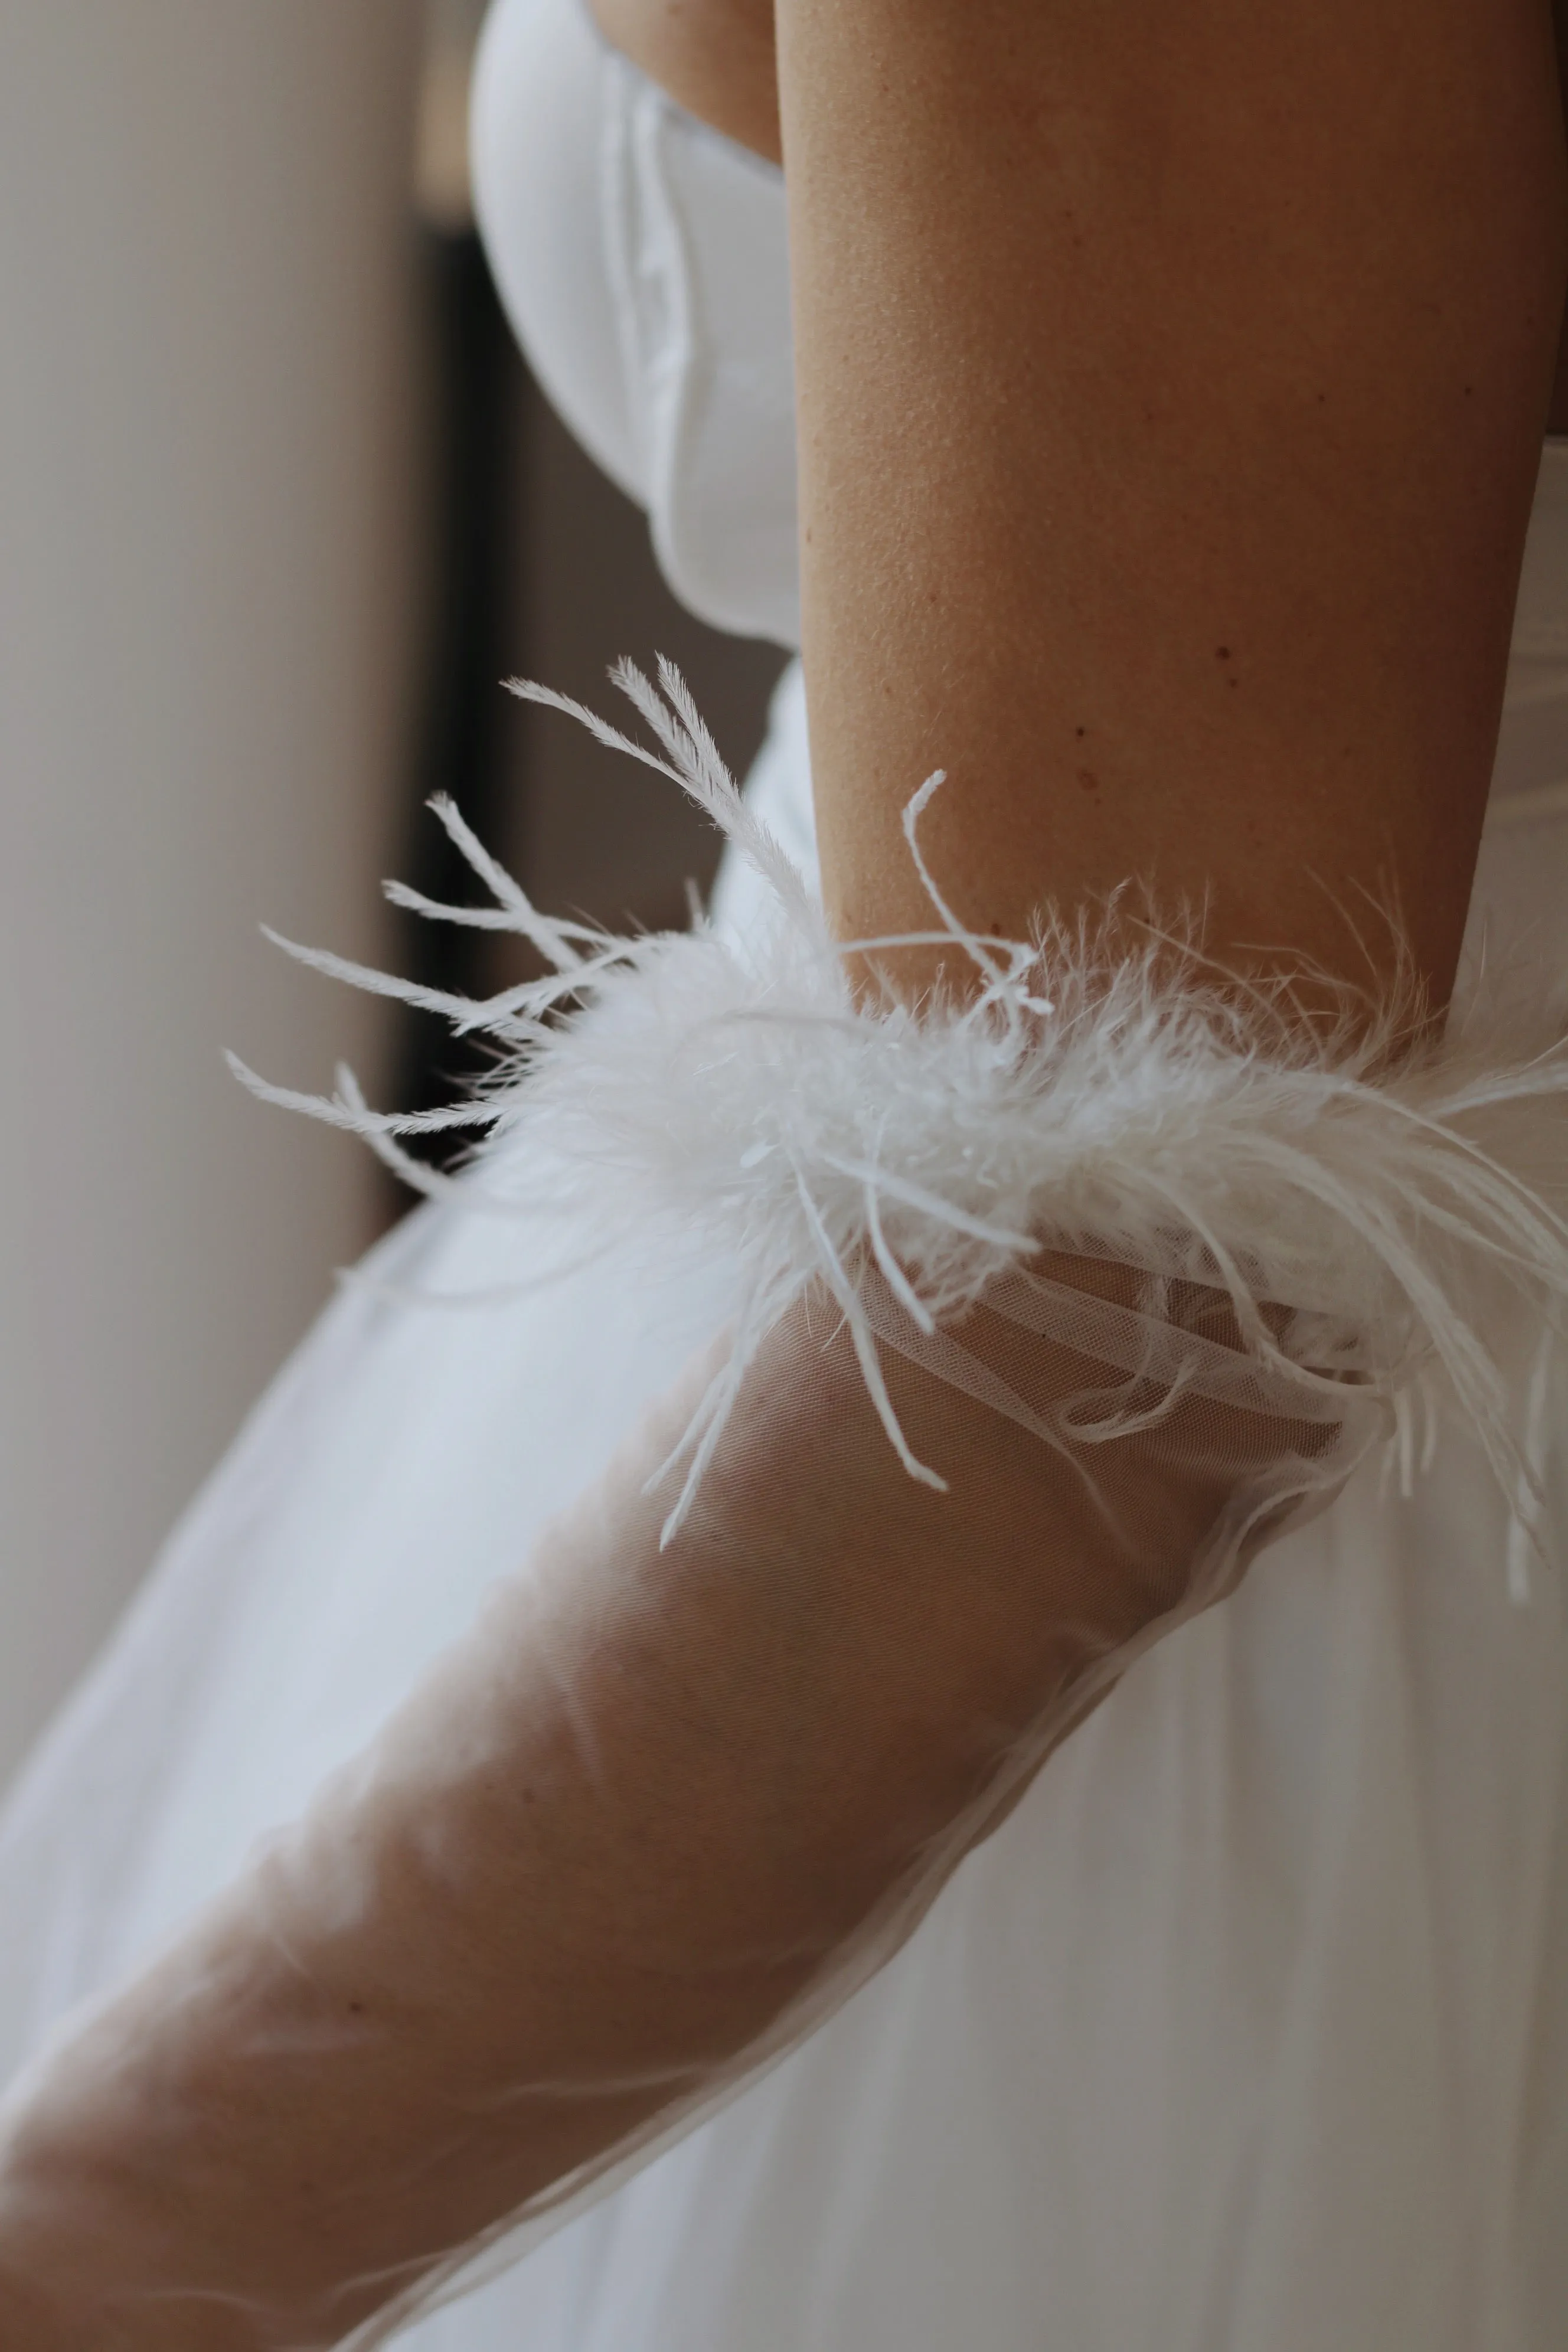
(1172, 380)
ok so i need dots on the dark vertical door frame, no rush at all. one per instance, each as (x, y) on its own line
(478, 413)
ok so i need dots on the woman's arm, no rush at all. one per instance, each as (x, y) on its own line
(715, 57)
(1171, 384)
(656, 1797)
(1184, 388)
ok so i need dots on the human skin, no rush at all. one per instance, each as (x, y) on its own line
(719, 60)
(1212, 388)
(1175, 373)
(612, 1836)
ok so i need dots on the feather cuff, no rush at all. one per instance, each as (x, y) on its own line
(1357, 1193)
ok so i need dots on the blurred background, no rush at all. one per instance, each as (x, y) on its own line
(279, 509)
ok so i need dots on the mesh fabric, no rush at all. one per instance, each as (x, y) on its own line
(671, 1801)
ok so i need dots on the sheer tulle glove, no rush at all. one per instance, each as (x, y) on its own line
(1052, 1301)
(666, 1805)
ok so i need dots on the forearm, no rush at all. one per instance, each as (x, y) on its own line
(670, 1802)
(642, 1810)
(1172, 381)
(665, 1794)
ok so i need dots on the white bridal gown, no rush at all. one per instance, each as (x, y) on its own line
(1248, 2031)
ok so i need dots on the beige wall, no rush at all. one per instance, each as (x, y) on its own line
(207, 384)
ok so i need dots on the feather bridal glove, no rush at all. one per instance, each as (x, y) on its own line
(1051, 1299)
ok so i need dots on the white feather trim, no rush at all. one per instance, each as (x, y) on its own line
(741, 1099)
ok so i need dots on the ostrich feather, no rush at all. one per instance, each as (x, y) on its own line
(1097, 1090)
